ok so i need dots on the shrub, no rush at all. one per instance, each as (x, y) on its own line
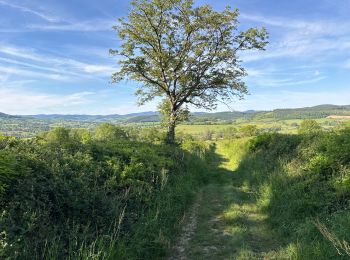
(109, 132)
(248, 130)
(309, 126)
(299, 179)
(64, 196)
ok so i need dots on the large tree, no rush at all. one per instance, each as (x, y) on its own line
(185, 54)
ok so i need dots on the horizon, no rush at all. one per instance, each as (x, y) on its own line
(192, 112)
(54, 57)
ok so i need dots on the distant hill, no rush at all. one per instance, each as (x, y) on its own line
(321, 111)
(93, 118)
(3, 115)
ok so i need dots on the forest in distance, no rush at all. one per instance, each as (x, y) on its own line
(279, 120)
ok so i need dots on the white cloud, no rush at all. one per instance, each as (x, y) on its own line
(272, 82)
(10, 71)
(99, 69)
(86, 26)
(323, 27)
(301, 38)
(289, 76)
(30, 10)
(34, 64)
(53, 22)
(20, 52)
(18, 101)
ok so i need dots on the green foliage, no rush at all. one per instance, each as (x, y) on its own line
(229, 132)
(80, 135)
(164, 108)
(66, 196)
(280, 120)
(309, 126)
(151, 135)
(109, 132)
(248, 130)
(185, 54)
(299, 180)
(199, 148)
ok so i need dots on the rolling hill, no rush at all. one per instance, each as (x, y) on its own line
(30, 125)
(321, 111)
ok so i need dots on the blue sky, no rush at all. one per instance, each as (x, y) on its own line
(54, 56)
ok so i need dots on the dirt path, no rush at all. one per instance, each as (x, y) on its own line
(226, 223)
(188, 231)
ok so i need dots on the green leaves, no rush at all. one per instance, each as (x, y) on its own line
(186, 54)
(65, 190)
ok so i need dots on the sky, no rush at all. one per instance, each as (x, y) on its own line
(54, 56)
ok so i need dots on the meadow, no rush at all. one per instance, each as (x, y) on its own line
(287, 126)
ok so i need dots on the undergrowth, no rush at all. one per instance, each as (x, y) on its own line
(302, 184)
(69, 194)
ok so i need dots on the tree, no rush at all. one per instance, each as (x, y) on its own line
(164, 109)
(309, 126)
(248, 130)
(185, 54)
(109, 132)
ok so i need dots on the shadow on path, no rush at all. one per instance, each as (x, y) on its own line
(228, 223)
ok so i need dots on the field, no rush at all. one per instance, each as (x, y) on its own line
(289, 126)
(200, 125)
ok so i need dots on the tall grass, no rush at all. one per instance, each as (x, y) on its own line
(302, 184)
(65, 195)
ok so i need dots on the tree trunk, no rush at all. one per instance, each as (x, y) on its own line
(171, 130)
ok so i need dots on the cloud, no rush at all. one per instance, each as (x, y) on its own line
(32, 11)
(29, 63)
(271, 82)
(55, 23)
(301, 47)
(9, 71)
(86, 26)
(99, 69)
(284, 77)
(20, 52)
(323, 27)
(301, 39)
(16, 100)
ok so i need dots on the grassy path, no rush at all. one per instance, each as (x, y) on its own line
(225, 222)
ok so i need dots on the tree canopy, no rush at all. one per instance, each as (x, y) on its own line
(185, 54)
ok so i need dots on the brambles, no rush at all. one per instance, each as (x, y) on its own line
(72, 194)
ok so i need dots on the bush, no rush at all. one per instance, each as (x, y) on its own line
(301, 180)
(309, 126)
(248, 131)
(63, 195)
(109, 132)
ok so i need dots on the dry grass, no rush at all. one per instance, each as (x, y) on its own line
(342, 246)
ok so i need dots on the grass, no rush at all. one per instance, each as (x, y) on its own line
(106, 198)
(275, 197)
(230, 223)
(289, 126)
